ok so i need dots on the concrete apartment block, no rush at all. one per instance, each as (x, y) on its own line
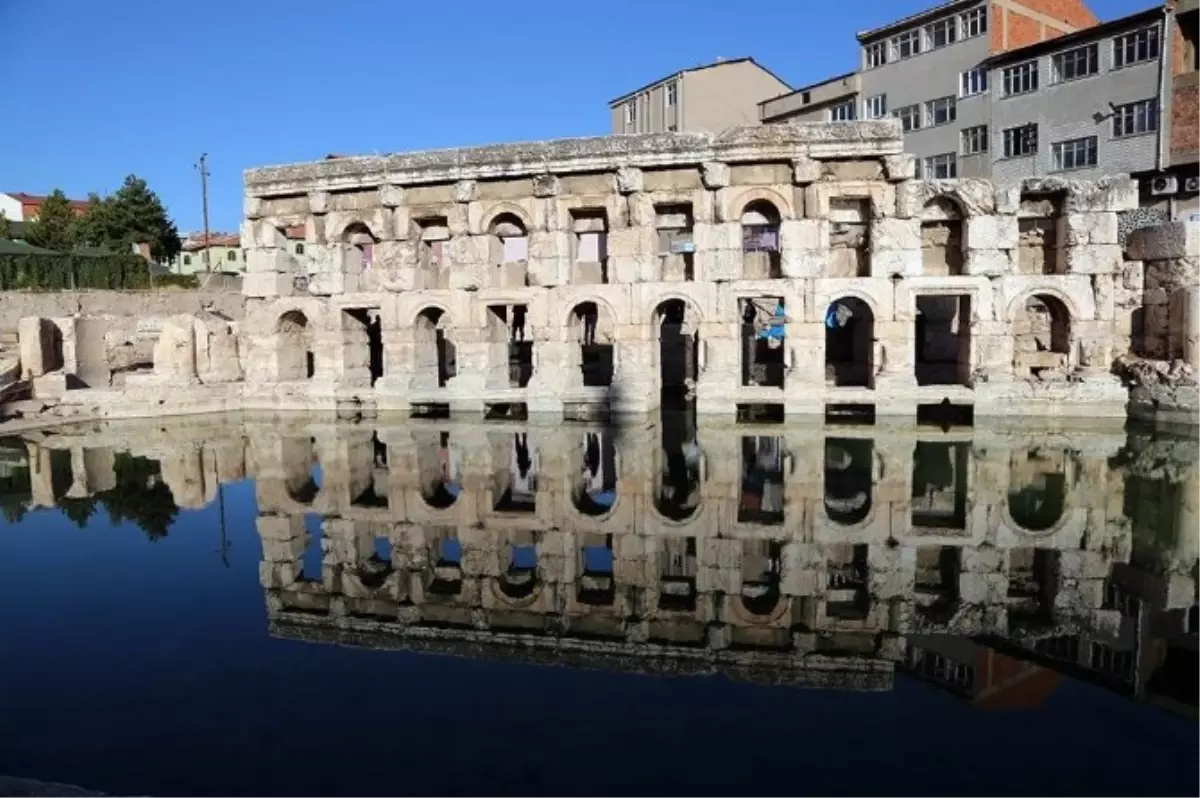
(708, 99)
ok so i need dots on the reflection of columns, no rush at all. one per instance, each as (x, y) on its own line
(1181, 588)
(41, 480)
(100, 466)
(184, 475)
(79, 477)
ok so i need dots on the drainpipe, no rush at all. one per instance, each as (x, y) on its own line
(1164, 54)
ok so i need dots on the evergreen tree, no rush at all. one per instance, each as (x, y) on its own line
(133, 215)
(5, 227)
(55, 226)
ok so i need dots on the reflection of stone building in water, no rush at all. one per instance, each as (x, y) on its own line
(814, 555)
(792, 267)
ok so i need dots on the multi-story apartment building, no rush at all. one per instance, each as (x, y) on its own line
(1183, 101)
(708, 98)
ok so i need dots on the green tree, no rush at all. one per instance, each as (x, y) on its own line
(133, 215)
(5, 227)
(55, 226)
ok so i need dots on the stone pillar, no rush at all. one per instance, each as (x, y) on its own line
(1185, 318)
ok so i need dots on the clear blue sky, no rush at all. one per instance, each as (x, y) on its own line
(96, 90)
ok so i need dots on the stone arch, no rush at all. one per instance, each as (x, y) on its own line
(590, 328)
(1017, 303)
(736, 207)
(293, 345)
(761, 600)
(487, 221)
(434, 353)
(596, 492)
(508, 237)
(1039, 494)
(678, 497)
(943, 237)
(692, 304)
(519, 582)
(676, 322)
(607, 315)
(1043, 335)
(849, 483)
(301, 467)
(761, 254)
(439, 471)
(354, 230)
(850, 342)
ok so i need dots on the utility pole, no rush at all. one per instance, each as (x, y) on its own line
(204, 199)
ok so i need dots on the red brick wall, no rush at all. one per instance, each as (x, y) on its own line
(1012, 29)
(1185, 117)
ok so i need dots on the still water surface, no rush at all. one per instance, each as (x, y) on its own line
(233, 606)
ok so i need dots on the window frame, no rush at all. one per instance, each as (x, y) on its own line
(1010, 132)
(951, 103)
(849, 105)
(978, 15)
(947, 24)
(869, 112)
(917, 117)
(1059, 151)
(949, 160)
(1127, 114)
(671, 94)
(1032, 68)
(981, 139)
(1121, 44)
(1091, 59)
(912, 38)
(964, 80)
(879, 49)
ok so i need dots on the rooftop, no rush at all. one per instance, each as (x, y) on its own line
(913, 19)
(811, 86)
(718, 63)
(38, 199)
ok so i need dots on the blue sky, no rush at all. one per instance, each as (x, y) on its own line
(96, 90)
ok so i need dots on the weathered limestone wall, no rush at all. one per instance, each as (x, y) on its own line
(442, 246)
(16, 305)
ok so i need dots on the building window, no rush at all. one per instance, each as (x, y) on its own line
(806, 97)
(631, 113)
(1135, 118)
(875, 107)
(907, 44)
(1074, 154)
(972, 82)
(941, 167)
(187, 260)
(842, 112)
(1020, 141)
(1021, 79)
(1074, 64)
(299, 249)
(232, 255)
(941, 111)
(1134, 48)
(909, 116)
(672, 94)
(974, 22)
(876, 54)
(975, 140)
(942, 32)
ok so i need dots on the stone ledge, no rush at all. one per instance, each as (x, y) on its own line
(878, 137)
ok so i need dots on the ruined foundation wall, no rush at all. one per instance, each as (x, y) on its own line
(15, 305)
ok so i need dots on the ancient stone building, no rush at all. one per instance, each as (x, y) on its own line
(791, 267)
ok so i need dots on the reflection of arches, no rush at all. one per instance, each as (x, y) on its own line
(850, 343)
(1037, 493)
(761, 568)
(299, 461)
(678, 346)
(595, 492)
(942, 240)
(433, 350)
(374, 571)
(519, 581)
(1041, 335)
(849, 465)
(680, 473)
(294, 359)
(439, 472)
(760, 240)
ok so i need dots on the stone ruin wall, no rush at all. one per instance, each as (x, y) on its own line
(569, 276)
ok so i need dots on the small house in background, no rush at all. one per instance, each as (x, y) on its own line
(225, 253)
(17, 206)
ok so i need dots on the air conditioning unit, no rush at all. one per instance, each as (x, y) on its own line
(1192, 184)
(1163, 186)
